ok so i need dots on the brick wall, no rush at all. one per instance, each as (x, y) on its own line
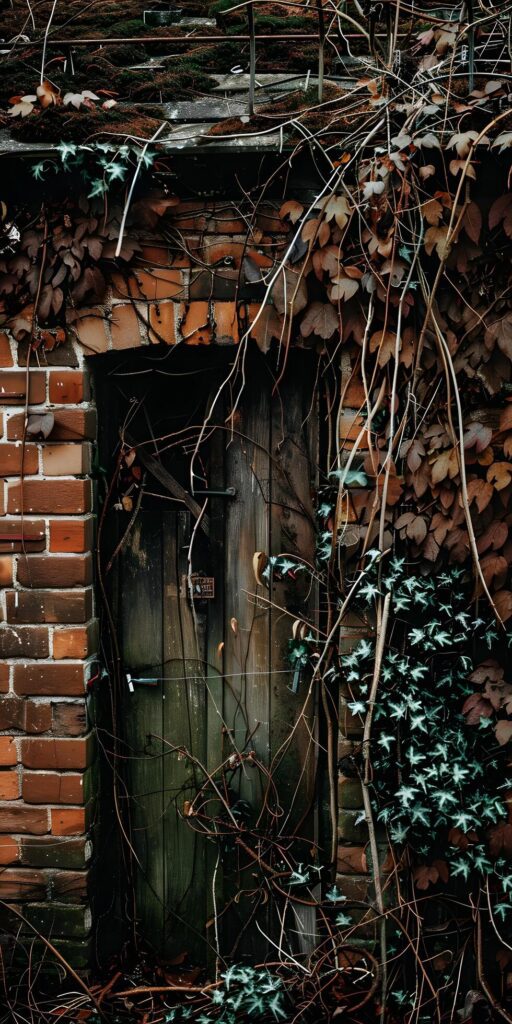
(196, 291)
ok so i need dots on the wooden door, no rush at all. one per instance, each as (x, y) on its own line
(211, 681)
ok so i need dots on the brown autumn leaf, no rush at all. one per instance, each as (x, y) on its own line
(383, 342)
(460, 839)
(477, 436)
(40, 424)
(494, 536)
(432, 211)
(500, 839)
(476, 707)
(445, 466)
(290, 294)
(291, 210)
(315, 230)
(425, 875)
(500, 475)
(326, 260)
(472, 222)
(47, 94)
(500, 333)
(338, 208)
(342, 287)
(489, 669)
(506, 417)
(479, 491)
(503, 601)
(321, 319)
(503, 731)
(437, 238)
(501, 213)
(493, 565)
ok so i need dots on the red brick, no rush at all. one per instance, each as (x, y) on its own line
(195, 327)
(13, 455)
(49, 606)
(55, 570)
(70, 425)
(74, 643)
(125, 327)
(68, 387)
(22, 883)
(24, 642)
(68, 821)
(13, 387)
(5, 351)
(43, 679)
(38, 717)
(90, 330)
(159, 283)
(72, 534)
(63, 754)
(4, 678)
(6, 569)
(9, 850)
(51, 497)
(21, 818)
(162, 318)
(8, 752)
(69, 719)
(352, 860)
(9, 786)
(52, 788)
(69, 459)
(24, 715)
(69, 886)
(22, 535)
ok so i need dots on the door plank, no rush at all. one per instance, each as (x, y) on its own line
(141, 624)
(184, 724)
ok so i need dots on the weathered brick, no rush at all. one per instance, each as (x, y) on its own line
(16, 713)
(24, 641)
(51, 852)
(55, 570)
(50, 497)
(68, 387)
(66, 459)
(20, 818)
(158, 283)
(9, 849)
(68, 821)
(349, 829)
(69, 719)
(44, 679)
(72, 534)
(13, 456)
(126, 327)
(22, 535)
(4, 677)
(8, 750)
(350, 793)
(90, 330)
(70, 425)
(49, 606)
(9, 785)
(60, 754)
(57, 919)
(5, 351)
(6, 570)
(13, 387)
(162, 319)
(75, 643)
(22, 883)
(52, 788)
(352, 860)
(194, 323)
(69, 886)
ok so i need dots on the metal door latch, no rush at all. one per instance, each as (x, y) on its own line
(230, 492)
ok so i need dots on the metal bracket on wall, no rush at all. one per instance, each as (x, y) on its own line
(230, 492)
